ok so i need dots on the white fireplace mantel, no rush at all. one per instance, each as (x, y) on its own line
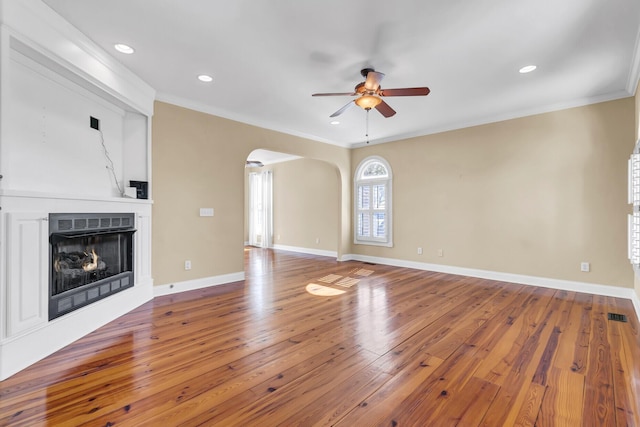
(52, 80)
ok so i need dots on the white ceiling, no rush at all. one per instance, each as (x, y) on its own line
(267, 57)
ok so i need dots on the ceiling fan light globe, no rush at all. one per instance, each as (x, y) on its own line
(368, 102)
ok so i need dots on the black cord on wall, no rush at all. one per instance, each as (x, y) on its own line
(110, 165)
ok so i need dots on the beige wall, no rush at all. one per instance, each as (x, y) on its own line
(305, 204)
(198, 161)
(533, 196)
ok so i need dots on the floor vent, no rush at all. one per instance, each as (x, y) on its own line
(617, 317)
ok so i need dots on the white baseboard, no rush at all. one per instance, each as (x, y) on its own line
(310, 251)
(636, 303)
(190, 285)
(545, 282)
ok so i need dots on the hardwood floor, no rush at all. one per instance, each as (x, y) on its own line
(398, 347)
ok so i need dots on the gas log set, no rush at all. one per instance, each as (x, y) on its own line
(78, 268)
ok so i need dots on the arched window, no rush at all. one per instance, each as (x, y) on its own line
(373, 202)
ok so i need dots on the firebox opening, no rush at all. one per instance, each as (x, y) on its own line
(91, 257)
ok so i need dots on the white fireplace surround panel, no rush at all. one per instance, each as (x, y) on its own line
(52, 79)
(26, 333)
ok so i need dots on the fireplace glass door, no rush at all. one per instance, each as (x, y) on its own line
(88, 263)
(81, 260)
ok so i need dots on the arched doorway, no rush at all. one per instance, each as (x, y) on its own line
(306, 202)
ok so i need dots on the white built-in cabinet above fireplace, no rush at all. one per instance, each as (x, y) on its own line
(53, 79)
(48, 144)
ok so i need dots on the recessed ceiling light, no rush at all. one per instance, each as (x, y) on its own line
(335, 122)
(123, 48)
(527, 69)
(205, 78)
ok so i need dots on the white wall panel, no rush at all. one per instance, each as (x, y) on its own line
(27, 272)
(49, 146)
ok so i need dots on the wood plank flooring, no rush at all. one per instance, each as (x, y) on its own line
(394, 347)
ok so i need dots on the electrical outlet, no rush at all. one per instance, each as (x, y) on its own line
(187, 265)
(317, 240)
(94, 123)
(585, 266)
(419, 251)
(440, 252)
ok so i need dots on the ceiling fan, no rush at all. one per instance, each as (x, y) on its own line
(369, 94)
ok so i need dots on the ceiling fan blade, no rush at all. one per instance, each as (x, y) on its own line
(407, 91)
(385, 109)
(373, 80)
(335, 94)
(343, 109)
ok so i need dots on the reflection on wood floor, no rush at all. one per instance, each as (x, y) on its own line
(395, 347)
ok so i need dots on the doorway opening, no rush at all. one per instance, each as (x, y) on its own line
(295, 206)
(261, 209)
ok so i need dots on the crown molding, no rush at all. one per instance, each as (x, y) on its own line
(634, 69)
(207, 109)
(580, 102)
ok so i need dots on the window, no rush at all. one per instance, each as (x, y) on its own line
(373, 203)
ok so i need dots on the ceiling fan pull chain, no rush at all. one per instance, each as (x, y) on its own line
(367, 125)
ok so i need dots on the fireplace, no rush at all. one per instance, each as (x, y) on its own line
(91, 257)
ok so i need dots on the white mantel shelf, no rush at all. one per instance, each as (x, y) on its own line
(62, 196)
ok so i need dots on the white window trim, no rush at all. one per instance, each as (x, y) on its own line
(634, 201)
(388, 242)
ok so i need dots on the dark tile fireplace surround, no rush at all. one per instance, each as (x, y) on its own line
(90, 258)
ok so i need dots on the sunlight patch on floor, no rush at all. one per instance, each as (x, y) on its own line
(338, 280)
(323, 291)
(363, 272)
(330, 278)
(348, 282)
